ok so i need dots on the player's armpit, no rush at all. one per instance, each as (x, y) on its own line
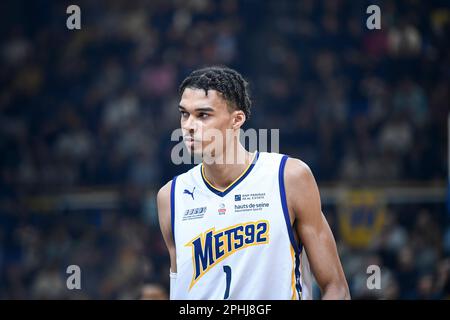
(313, 230)
(165, 223)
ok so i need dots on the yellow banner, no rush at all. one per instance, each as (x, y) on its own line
(361, 216)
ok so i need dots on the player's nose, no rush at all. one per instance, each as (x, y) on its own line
(190, 124)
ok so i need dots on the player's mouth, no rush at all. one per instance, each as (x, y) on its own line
(190, 141)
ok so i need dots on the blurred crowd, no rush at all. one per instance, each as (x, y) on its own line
(412, 252)
(95, 108)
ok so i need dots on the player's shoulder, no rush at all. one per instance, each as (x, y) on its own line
(294, 167)
(297, 167)
(270, 159)
(297, 172)
(164, 191)
(300, 185)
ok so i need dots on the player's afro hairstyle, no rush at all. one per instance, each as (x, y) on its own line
(229, 82)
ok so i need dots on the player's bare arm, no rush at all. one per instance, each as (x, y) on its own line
(313, 230)
(163, 202)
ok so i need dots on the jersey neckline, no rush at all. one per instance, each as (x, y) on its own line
(232, 185)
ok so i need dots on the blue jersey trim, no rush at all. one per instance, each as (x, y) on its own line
(234, 184)
(172, 206)
(287, 220)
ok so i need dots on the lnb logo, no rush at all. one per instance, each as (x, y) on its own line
(222, 210)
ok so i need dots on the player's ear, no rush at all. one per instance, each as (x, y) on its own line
(238, 119)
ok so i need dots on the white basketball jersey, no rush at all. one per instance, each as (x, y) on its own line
(237, 243)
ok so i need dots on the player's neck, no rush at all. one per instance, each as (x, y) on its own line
(221, 175)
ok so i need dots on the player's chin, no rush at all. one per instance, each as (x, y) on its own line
(194, 148)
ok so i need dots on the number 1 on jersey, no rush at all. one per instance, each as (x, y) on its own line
(227, 270)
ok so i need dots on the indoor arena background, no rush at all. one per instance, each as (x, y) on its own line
(86, 117)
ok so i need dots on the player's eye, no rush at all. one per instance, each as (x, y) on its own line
(184, 114)
(203, 115)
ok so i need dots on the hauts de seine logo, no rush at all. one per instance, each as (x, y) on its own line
(250, 206)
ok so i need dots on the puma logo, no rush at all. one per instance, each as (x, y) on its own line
(186, 191)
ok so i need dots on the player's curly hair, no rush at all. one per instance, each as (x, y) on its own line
(229, 82)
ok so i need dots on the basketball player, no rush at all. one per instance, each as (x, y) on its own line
(250, 229)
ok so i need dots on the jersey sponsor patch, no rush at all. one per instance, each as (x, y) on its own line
(251, 207)
(195, 213)
(249, 196)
